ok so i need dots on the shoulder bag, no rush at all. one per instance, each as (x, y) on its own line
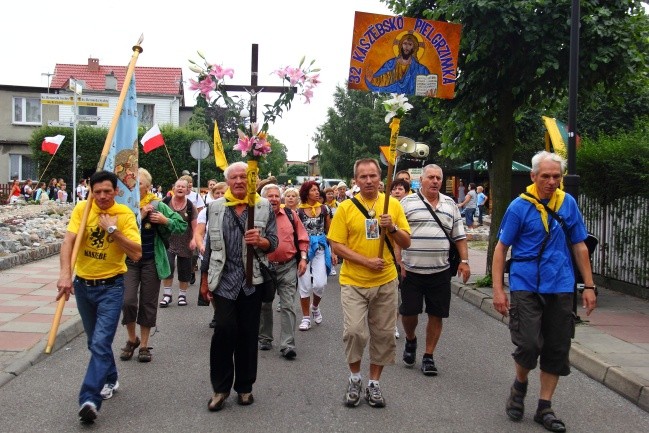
(453, 252)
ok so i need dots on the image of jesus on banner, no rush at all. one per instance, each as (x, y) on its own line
(399, 74)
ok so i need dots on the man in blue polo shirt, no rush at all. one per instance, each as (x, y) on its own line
(542, 283)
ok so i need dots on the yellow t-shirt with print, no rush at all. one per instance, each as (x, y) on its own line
(99, 257)
(349, 227)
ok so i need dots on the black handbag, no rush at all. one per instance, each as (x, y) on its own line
(453, 253)
(269, 287)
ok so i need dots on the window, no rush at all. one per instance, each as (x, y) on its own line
(27, 111)
(145, 114)
(22, 166)
(87, 111)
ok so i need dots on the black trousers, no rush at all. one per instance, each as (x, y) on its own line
(233, 352)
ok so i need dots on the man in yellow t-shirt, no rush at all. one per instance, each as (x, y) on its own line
(110, 235)
(368, 283)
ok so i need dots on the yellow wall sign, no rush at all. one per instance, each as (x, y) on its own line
(395, 54)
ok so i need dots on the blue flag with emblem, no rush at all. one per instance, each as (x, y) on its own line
(122, 156)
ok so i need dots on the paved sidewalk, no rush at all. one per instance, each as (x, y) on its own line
(611, 346)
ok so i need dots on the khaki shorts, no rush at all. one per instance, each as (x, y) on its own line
(370, 314)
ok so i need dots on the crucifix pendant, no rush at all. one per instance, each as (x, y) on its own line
(371, 213)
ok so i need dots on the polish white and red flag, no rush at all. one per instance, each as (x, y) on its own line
(152, 139)
(51, 144)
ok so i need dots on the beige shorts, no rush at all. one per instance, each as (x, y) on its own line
(370, 313)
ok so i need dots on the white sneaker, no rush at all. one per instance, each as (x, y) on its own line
(396, 332)
(109, 389)
(333, 271)
(306, 324)
(317, 315)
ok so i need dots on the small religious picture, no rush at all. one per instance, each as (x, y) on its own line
(371, 228)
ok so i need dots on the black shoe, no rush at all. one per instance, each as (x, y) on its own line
(88, 413)
(265, 345)
(410, 352)
(192, 280)
(428, 367)
(213, 323)
(289, 353)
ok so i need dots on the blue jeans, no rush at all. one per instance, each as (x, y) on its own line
(99, 308)
(468, 214)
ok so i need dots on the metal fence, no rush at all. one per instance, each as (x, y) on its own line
(623, 232)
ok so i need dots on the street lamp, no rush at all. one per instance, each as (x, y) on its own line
(571, 180)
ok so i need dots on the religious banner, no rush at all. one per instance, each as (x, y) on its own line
(123, 153)
(412, 56)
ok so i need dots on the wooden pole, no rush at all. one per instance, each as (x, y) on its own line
(394, 133)
(172, 163)
(137, 49)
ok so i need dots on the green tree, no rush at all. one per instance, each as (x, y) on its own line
(514, 59)
(297, 170)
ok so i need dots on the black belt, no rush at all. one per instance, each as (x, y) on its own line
(95, 283)
(282, 263)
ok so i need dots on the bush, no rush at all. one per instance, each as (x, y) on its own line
(616, 166)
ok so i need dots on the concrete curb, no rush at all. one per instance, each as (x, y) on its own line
(68, 331)
(24, 257)
(625, 383)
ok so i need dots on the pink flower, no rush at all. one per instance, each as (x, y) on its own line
(262, 147)
(204, 86)
(244, 145)
(295, 75)
(308, 94)
(219, 72)
(314, 79)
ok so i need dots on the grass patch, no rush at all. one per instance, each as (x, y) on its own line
(478, 245)
(485, 281)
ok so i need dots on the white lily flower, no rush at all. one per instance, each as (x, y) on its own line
(397, 106)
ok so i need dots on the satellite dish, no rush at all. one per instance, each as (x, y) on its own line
(405, 144)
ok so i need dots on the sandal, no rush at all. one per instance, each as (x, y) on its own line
(182, 300)
(144, 354)
(306, 324)
(166, 300)
(549, 420)
(127, 351)
(515, 406)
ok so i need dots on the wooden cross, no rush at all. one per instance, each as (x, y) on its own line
(253, 89)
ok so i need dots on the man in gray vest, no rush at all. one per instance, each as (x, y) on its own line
(233, 352)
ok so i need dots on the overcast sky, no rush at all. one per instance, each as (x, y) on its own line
(37, 35)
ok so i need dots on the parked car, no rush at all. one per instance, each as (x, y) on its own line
(329, 183)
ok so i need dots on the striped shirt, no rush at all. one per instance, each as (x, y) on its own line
(428, 252)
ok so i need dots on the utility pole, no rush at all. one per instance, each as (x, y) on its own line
(48, 74)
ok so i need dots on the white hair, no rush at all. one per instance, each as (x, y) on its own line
(264, 190)
(545, 156)
(238, 164)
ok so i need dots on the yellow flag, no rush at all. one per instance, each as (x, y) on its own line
(219, 154)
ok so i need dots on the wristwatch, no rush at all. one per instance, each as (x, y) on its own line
(111, 229)
(465, 261)
(393, 229)
(303, 255)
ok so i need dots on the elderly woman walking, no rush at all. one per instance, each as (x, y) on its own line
(142, 279)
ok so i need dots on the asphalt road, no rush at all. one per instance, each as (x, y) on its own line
(170, 394)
